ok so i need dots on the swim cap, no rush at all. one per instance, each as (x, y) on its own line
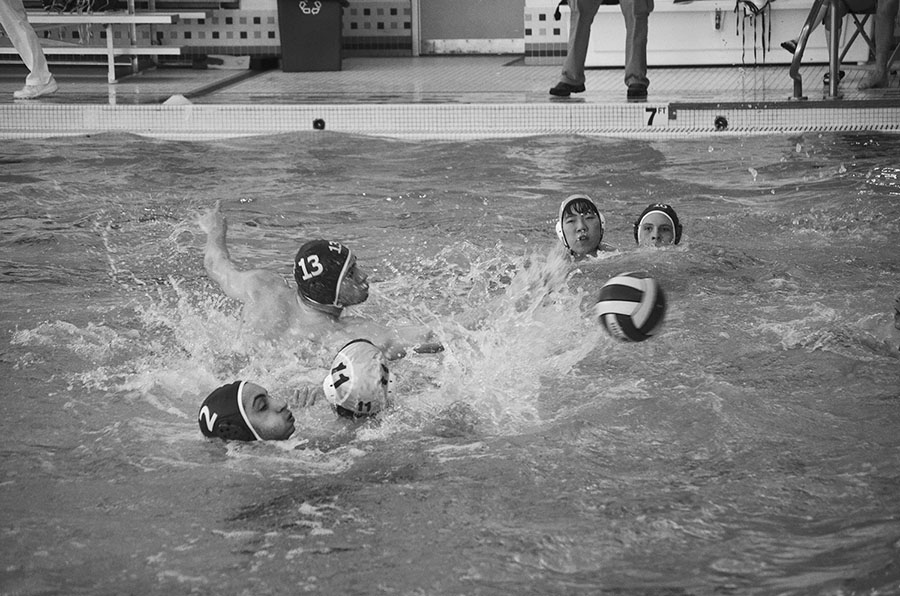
(357, 384)
(666, 210)
(562, 212)
(319, 269)
(222, 414)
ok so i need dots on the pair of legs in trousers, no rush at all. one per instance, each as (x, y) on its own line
(636, 14)
(14, 20)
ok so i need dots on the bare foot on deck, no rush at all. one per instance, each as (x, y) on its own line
(873, 80)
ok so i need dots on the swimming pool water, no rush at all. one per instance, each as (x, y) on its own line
(750, 448)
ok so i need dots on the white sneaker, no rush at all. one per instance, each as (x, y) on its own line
(35, 91)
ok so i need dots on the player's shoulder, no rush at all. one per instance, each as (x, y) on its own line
(260, 283)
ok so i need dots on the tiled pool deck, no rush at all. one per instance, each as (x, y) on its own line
(442, 96)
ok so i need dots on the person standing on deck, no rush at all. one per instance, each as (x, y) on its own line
(637, 16)
(14, 20)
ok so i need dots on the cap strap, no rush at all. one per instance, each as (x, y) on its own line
(240, 400)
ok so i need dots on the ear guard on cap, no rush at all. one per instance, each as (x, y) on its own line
(664, 208)
(562, 212)
(357, 384)
(222, 414)
(233, 432)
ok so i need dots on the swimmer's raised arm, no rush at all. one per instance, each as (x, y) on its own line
(419, 339)
(328, 280)
(245, 286)
(395, 342)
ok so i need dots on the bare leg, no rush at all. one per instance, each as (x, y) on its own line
(791, 45)
(885, 16)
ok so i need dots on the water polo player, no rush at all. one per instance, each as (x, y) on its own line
(244, 411)
(327, 277)
(357, 384)
(580, 226)
(328, 280)
(657, 225)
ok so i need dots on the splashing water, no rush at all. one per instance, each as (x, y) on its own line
(749, 448)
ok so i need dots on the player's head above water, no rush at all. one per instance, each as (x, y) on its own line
(657, 225)
(580, 225)
(327, 276)
(357, 384)
(244, 411)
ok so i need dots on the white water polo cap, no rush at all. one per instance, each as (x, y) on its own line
(357, 385)
(577, 203)
(222, 414)
(319, 268)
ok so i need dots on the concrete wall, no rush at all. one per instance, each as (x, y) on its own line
(471, 26)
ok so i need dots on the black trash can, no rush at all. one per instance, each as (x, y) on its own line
(310, 34)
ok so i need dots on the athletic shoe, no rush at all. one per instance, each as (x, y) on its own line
(35, 91)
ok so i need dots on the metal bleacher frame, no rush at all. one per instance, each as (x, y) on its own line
(130, 17)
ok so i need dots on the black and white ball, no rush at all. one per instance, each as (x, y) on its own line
(631, 306)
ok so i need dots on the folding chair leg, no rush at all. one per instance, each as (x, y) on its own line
(893, 57)
(859, 32)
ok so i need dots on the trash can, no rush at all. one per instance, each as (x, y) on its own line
(310, 34)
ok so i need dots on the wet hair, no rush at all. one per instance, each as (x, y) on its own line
(580, 206)
(577, 203)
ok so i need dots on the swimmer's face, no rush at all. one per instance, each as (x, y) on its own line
(583, 230)
(270, 416)
(354, 286)
(656, 230)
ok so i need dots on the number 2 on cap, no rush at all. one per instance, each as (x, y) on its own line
(310, 266)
